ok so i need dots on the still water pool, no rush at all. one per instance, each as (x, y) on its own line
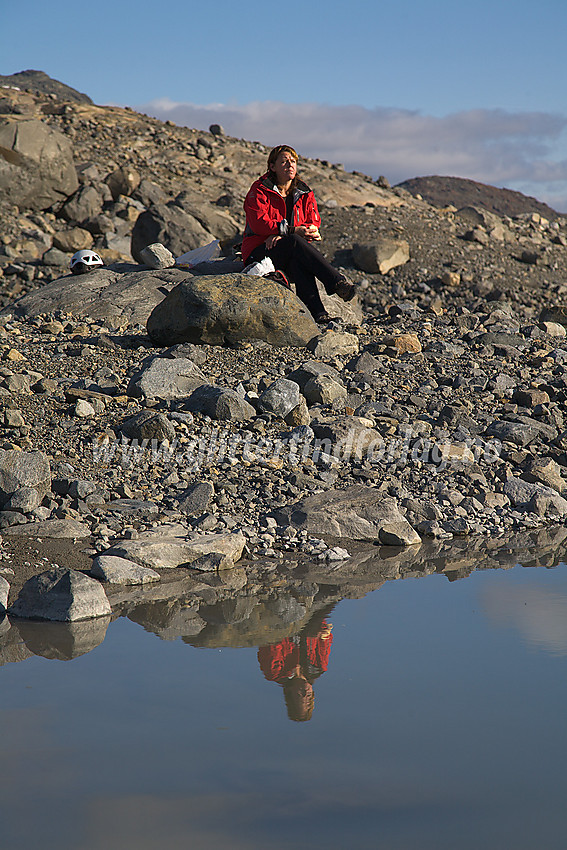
(438, 721)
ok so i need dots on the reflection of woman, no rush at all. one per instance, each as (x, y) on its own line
(295, 663)
(282, 220)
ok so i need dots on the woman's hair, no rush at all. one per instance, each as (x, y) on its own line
(275, 152)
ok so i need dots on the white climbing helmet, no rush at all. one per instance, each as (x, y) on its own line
(85, 261)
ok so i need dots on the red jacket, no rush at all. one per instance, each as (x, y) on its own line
(279, 660)
(266, 212)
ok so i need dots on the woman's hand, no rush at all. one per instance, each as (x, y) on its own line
(309, 232)
(271, 241)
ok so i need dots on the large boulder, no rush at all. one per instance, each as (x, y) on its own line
(23, 469)
(173, 227)
(167, 547)
(219, 403)
(36, 165)
(130, 297)
(380, 256)
(357, 513)
(61, 594)
(228, 308)
(165, 379)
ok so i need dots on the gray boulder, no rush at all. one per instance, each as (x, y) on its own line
(310, 369)
(380, 256)
(357, 513)
(157, 256)
(53, 528)
(281, 397)
(229, 308)
(148, 425)
(170, 546)
(123, 181)
(171, 226)
(109, 294)
(85, 204)
(165, 379)
(121, 571)
(220, 404)
(195, 500)
(36, 165)
(61, 594)
(23, 469)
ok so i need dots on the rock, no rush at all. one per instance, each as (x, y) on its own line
(169, 548)
(23, 469)
(195, 500)
(85, 204)
(555, 313)
(281, 397)
(109, 294)
(52, 528)
(512, 432)
(333, 344)
(172, 227)
(72, 240)
(404, 343)
(298, 415)
(217, 130)
(148, 425)
(157, 256)
(530, 398)
(230, 308)
(36, 165)
(4, 591)
(357, 513)
(323, 390)
(545, 471)
(220, 404)
(380, 256)
(162, 378)
(24, 499)
(212, 561)
(62, 595)
(348, 437)
(84, 410)
(398, 534)
(123, 181)
(525, 495)
(215, 221)
(310, 369)
(553, 329)
(121, 571)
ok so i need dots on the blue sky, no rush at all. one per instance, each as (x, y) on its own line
(402, 88)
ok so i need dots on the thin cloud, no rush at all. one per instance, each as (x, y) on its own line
(514, 149)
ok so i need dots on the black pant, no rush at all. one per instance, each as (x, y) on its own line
(302, 263)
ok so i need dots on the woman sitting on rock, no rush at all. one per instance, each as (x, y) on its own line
(282, 220)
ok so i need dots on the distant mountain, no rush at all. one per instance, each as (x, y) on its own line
(460, 192)
(39, 82)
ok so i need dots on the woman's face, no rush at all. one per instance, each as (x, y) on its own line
(284, 168)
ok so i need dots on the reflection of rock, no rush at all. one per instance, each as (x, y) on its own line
(12, 647)
(169, 618)
(63, 641)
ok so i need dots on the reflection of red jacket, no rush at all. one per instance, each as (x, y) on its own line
(266, 212)
(279, 660)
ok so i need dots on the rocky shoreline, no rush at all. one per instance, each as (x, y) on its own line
(430, 413)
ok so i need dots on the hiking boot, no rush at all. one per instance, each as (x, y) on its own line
(345, 289)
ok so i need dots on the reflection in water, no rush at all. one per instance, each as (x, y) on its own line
(539, 615)
(295, 663)
(251, 607)
(62, 641)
